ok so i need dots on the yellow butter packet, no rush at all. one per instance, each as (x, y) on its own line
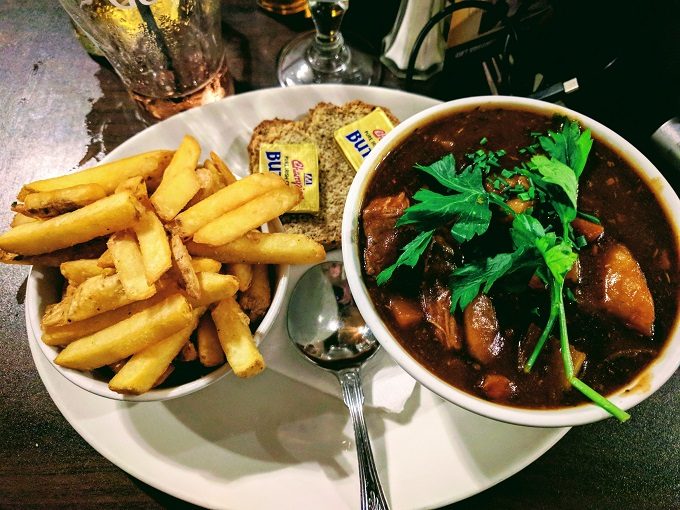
(297, 164)
(356, 140)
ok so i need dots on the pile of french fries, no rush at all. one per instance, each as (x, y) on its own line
(162, 261)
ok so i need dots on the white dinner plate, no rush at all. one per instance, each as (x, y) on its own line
(271, 442)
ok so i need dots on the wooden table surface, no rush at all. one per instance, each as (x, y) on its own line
(61, 109)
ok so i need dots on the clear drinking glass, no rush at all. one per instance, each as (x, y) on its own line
(168, 53)
(323, 56)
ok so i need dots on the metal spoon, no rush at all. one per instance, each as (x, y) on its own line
(326, 327)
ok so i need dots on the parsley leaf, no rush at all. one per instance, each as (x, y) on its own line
(471, 211)
(467, 281)
(525, 230)
(557, 173)
(475, 277)
(569, 146)
(549, 256)
(559, 259)
(469, 207)
(444, 171)
(558, 185)
(409, 257)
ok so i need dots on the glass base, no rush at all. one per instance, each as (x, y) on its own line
(221, 85)
(295, 65)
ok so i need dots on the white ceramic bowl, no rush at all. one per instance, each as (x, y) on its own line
(642, 387)
(44, 287)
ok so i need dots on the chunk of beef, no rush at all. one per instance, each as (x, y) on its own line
(482, 337)
(382, 240)
(439, 258)
(436, 303)
(406, 313)
(498, 387)
(617, 287)
(574, 274)
(578, 358)
(527, 344)
(519, 206)
(588, 229)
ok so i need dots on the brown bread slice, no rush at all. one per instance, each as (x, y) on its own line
(335, 173)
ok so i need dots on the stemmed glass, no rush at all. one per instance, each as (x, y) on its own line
(323, 56)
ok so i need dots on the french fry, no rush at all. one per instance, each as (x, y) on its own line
(255, 301)
(56, 314)
(128, 336)
(236, 339)
(210, 351)
(46, 204)
(110, 214)
(136, 186)
(20, 219)
(67, 333)
(68, 291)
(244, 273)
(205, 265)
(79, 270)
(154, 245)
(261, 248)
(144, 369)
(210, 182)
(149, 165)
(105, 259)
(188, 352)
(227, 199)
(252, 214)
(127, 258)
(164, 376)
(179, 181)
(214, 287)
(217, 176)
(223, 169)
(183, 262)
(86, 250)
(94, 296)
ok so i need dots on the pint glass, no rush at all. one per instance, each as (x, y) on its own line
(168, 53)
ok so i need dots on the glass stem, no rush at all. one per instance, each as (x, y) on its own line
(328, 53)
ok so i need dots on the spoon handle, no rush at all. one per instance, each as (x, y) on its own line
(372, 497)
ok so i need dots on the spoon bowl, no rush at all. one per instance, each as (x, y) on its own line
(327, 329)
(323, 321)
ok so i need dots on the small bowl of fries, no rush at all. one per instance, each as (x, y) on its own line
(154, 275)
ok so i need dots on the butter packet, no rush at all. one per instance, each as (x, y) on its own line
(356, 140)
(297, 164)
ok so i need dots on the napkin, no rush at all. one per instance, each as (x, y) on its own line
(386, 385)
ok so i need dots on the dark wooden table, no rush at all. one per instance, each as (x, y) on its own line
(61, 109)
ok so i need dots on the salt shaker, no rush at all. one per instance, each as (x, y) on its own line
(397, 45)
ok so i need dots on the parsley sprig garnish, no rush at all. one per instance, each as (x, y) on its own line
(546, 247)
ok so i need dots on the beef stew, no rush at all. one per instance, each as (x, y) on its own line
(620, 296)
